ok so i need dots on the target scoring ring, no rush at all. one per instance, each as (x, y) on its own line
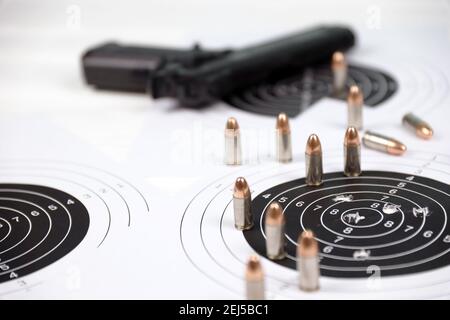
(395, 238)
(42, 225)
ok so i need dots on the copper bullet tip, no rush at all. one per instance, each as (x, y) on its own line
(425, 132)
(351, 136)
(241, 189)
(274, 214)
(355, 96)
(396, 148)
(232, 124)
(307, 244)
(283, 123)
(421, 128)
(254, 269)
(313, 145)
(337, 60)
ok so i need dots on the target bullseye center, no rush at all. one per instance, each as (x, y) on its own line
(361, 217)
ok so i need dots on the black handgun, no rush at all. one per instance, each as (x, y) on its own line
(196, 77)
(112, 66)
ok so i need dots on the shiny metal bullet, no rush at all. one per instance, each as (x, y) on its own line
(254, 278)
(352, 153)
(420, 127)
(382, 143)
(283, 138)
(308, 261)
(242, 200)
(232, 142)
(313, 161)
(339, 69)
(274, 230)
(355, 101)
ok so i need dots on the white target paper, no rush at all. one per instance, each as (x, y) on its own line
(151, 176)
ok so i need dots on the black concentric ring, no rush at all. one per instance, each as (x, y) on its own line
(294, 93)
(396, 222)
(38, 226)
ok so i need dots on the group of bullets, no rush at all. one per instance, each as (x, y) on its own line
(355, 103)
(307, 246)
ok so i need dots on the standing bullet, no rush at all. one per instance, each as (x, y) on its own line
(339, 68)
(308, 261)
(283, 139)
(232, 142)
(313, 161)
(352, 153)
(355, 101)
(420, 127)
(254, 278)
(382, 143)
(274, 229)
(242, 199)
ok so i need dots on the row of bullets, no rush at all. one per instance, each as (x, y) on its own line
(370, 139)
(307, 266)
(355, 104)
(355, 100)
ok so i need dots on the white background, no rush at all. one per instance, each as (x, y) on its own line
(47, 112)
